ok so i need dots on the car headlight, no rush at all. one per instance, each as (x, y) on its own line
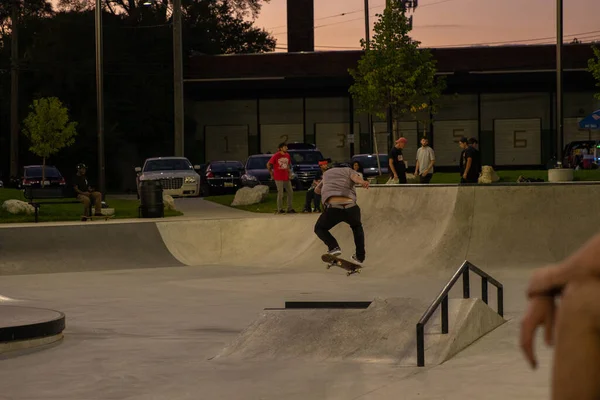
(190, 179)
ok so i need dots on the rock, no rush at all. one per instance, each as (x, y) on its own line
(168, 202)
(488, 175)
(411, 178)
(18, 207)
(247, 196)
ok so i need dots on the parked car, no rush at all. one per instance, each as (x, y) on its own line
(256, 172)
(305, 164)
(32, 176)
(176, 175)
(221, 177)
(369, 164)
(301, 146)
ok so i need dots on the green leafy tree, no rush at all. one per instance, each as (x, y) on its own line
(594, 67)
(393, 73)
(48, 129)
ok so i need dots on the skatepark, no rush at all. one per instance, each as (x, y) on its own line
(201, 306)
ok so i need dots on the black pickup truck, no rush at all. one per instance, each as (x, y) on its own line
(305, 164)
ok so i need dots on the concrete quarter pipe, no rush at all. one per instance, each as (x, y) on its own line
(409, 228)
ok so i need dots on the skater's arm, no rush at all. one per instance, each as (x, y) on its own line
(359, 181)
(391, 163)
(319, 187)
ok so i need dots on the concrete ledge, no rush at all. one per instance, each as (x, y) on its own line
(27, 327)
(560, 175)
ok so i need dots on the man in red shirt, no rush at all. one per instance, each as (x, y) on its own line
(280, 168)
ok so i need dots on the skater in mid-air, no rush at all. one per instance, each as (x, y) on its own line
(338, 194)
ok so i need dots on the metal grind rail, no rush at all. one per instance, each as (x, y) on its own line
(442, 299)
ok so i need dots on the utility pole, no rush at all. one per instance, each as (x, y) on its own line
(100, 98)
(368, 47)
(559, 76)
(178, 112)
(14, 90)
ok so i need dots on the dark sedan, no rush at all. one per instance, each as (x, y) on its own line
(32, 176)
(221, 177)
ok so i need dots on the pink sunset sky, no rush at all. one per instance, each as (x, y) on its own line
(444, 22)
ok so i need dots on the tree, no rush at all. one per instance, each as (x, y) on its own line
(393, 73)
(594, 68)
(48, 129)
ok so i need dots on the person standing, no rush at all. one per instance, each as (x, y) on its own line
(311, 196)
(477, 153)
(337, 189)
(469, 170)
(280, 168)
(396, 161)
(425, 162)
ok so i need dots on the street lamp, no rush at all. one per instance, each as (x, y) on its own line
(100, 98)
(178, 112)
(559, 76)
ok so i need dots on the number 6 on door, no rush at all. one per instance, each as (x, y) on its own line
(519, 141)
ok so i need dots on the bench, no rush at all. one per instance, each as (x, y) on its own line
(33, 194)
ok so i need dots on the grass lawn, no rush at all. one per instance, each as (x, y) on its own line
(270, 204)
(68, 212)
(508, 176)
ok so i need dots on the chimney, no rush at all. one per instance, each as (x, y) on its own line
(301, 25)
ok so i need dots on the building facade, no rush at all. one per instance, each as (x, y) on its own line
(238, 105)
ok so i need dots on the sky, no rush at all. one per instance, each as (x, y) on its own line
(440, 23)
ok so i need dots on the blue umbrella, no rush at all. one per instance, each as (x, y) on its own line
(592, 121)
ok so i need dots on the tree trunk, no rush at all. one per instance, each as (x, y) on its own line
(376, 149)
(43, 170)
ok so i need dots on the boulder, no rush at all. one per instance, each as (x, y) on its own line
(18, 207)
(168, 202)
(488, 175)
(247, 196)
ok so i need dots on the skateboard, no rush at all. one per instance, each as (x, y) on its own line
(93, 217)
(351, 267)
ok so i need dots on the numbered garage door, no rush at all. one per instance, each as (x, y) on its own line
(446, 137)
(518, 141)
(572, 132)
(272, 135)
(226, 143)
(332, 140)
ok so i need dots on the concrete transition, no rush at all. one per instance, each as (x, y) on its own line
(82, 247)
(434, 228)
(383, 332)
(26, 327)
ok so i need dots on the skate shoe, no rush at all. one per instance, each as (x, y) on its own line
(335, 252)
(356, 260)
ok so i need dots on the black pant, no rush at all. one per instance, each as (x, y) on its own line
(333, 216)
(469, 180)
(402, 175)
(312, 197)
(425, 179)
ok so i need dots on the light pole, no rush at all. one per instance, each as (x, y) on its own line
(559, 76)
(178, 113)
(100, 98)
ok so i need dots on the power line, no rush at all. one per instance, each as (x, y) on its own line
(354, 19)
(591, 35)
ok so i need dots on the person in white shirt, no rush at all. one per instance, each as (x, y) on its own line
(425, 162)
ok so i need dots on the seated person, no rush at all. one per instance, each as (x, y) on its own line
(311, 196)
(85, 193)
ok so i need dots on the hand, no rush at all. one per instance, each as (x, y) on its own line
(545, 281)
(425, 173)
(541, 311)
(464, 176)
(396, 176)
(416, 172)
(365, 184)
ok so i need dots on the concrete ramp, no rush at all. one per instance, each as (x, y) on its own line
(383, 332)
(82, 247)
(409, 229)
